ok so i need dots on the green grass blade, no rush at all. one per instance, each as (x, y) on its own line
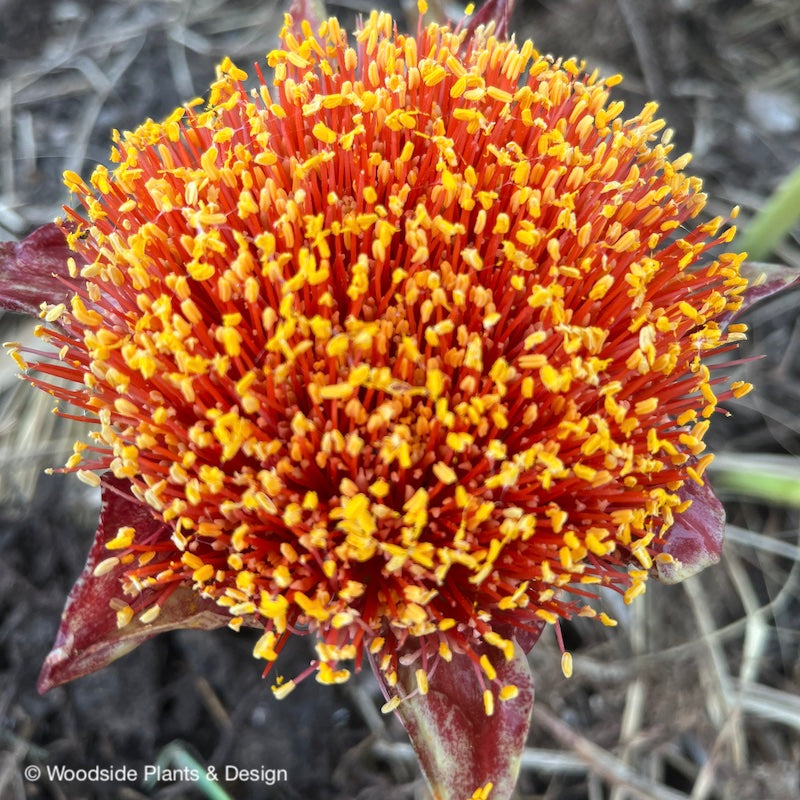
(766, 230)
(758, 476)
(175, 755)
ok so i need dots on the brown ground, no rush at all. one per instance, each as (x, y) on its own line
(695, 694)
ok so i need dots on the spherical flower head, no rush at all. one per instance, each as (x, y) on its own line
(408, 349)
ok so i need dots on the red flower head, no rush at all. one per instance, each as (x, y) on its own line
(408, 349)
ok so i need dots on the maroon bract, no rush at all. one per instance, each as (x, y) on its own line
(36, 270)
(97, 626)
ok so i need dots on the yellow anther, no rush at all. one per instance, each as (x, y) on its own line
(488, 702)
(422, 681)
(391, 704)
(566, 664)
(122, 540)
(283, 689)
(508, 692)
(486, 665)
(444, 473)
(105, 566)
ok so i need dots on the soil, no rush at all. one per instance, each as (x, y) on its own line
(695, 693)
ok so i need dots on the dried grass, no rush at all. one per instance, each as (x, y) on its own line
(695, 694)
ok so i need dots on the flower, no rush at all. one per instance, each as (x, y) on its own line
(409, 350)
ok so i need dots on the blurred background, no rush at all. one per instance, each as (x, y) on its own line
(694, 695)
